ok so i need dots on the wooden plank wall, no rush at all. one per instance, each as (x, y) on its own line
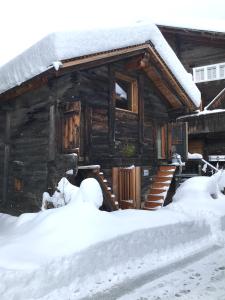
(123, 139)
(195, 51)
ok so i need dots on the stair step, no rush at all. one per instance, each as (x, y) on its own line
(154, 198)
(152, 204)
(162, 179)
(157, 191)
(166, 168)
(164, 174)
(126, 204)
(161, 185)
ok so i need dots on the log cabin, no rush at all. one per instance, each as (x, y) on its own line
(97, 104)
(202, 53)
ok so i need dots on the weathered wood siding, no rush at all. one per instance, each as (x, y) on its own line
(28, 148)
(206, 123)
(110, 137)
(196, 50)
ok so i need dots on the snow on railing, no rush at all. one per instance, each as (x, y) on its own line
(208, 164)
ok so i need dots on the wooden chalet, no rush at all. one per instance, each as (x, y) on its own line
(109, 115)
(202, 53)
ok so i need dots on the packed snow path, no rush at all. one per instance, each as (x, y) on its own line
(200, 276)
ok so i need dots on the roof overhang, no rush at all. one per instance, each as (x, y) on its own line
(93, 60)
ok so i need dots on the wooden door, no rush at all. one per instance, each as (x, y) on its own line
(127, 185)
(71, 127)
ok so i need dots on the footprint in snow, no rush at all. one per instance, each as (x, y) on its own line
(185, 291)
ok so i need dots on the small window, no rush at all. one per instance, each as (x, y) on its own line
(161, 141)
(211, 73)
(199, 75)
(222, 71)
(126, 93)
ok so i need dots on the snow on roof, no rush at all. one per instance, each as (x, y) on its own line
(202, 113)
(60, 46)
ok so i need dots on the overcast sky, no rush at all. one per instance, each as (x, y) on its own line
(23, 22)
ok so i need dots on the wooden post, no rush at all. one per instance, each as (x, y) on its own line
(6, 156)
(111, 110)
(52, 145)
(140, 114)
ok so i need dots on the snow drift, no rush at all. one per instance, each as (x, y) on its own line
(68, 249)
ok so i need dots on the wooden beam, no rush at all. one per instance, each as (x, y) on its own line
(100, 56)
(165, 91)
(6, 156)
(173, 81)
(111, 109)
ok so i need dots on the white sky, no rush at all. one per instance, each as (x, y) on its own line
(23, 22)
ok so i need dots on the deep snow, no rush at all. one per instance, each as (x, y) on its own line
(76, 250)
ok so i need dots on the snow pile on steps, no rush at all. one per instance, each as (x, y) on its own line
(59, 46)
(77, 248)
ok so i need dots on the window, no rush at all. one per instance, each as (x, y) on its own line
(199, 75)
(126, 93)
(210, 72)
(222, 71)
(71, 127)
(172, 138)
(161, 141)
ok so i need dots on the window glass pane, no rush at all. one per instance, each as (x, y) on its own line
(222, 71)
(199, 74)
(211, 72)
(123, 94)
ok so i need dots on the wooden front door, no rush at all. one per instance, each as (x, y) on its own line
(127, 186)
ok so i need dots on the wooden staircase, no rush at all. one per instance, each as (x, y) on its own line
(159, 188)
(93, 171)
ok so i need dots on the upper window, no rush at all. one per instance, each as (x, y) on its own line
(126, 93)
(210, 72)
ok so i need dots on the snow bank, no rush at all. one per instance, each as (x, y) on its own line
(68, 249)
(56, 47)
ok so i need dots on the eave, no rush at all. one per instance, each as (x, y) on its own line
(107, 57)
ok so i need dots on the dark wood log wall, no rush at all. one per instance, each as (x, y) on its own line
(209, 129)
(106, 133)
(195, 51)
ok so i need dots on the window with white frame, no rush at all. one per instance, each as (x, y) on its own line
(208, 73)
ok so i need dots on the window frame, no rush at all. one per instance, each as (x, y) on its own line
(208, 72)
(132, 95)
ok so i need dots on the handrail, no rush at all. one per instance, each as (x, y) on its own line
(211, 166)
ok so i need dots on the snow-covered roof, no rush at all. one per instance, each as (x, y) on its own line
(61, 46)
(202, 113)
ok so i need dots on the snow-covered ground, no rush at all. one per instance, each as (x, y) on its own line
(77, 251)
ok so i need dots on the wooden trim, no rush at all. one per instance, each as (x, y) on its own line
(141, 113)
(111, 109)
(99, 56)
(6, 156)
(173, 81)
(134, 91)
(164, 90)
(52, 134)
